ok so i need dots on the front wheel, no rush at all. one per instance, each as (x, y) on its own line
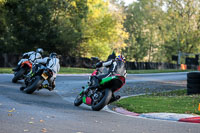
(101, 100)
(18, 75)
(78, 101)
(35, 84)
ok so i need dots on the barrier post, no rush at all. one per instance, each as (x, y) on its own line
(183, 67)
(199, 107)
(198, 68)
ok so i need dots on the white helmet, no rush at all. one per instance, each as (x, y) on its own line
(39, 50)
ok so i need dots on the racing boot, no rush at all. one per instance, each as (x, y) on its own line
(51, 86)
(48, 87)
(114, 98)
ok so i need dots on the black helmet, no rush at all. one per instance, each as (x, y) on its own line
(39, 50)
(53, 55)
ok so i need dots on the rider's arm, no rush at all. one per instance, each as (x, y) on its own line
(108, 63)
(104, 64)
(43, 61)
(27, 54)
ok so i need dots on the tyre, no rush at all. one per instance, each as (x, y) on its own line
(193, 89)
(107, 94)
(36, 83)
(193, 86)
(18, 75)
(193, 81)
(78, 101)
(193, 75)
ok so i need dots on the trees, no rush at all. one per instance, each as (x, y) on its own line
(54, 25)
(182, 26)
(70, 27)
(142, 23)
(2, 24)
(102, 30)
(146, 30)
(160, 29)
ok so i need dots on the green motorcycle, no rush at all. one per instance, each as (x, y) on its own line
(99, 97)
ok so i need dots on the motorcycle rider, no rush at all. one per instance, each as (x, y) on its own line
(52, 63)
(30, 56)
(115, 66)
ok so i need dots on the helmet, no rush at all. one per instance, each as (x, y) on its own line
(39, 50)
(53, 55)
(120, 58)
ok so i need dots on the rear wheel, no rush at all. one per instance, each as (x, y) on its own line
(35, 84)
(101, 99)
(18, 75)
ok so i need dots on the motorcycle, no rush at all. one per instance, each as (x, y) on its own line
(35, 80)
(99, 97)
(24, 69)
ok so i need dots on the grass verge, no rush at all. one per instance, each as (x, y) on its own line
(155, 71)
(6, 70)
(63, 70)
(169, 102)
(73, 70)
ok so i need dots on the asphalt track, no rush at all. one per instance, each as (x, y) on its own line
(54, 112)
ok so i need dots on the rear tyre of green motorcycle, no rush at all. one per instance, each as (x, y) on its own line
(103, 102)
(36, 83)
(78, 101)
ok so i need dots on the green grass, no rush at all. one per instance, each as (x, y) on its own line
(63, 70)
(155, 71)
(169, 102)
(6, 70)
(73, 70)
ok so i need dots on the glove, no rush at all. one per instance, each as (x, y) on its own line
(25, 56)
(99, 64)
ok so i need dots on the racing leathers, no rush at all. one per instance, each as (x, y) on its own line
(54, 65)
(32, 56)
(114, 67)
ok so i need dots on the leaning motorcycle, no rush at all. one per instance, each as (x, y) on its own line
(24, 69)
(35, 80)
(99, 97)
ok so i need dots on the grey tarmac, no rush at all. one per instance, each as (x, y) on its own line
(54, 112)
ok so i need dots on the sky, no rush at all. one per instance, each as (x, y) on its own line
(129, 1)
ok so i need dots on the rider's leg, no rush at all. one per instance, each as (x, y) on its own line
(51, 85)
(114, 98)
(18, 65)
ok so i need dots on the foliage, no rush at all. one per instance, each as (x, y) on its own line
(2, 23)
(54, 25)
(160, 29)
(146, 30)
(182, 27)
(103, 30)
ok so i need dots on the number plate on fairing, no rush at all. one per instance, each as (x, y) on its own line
(45, 76)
